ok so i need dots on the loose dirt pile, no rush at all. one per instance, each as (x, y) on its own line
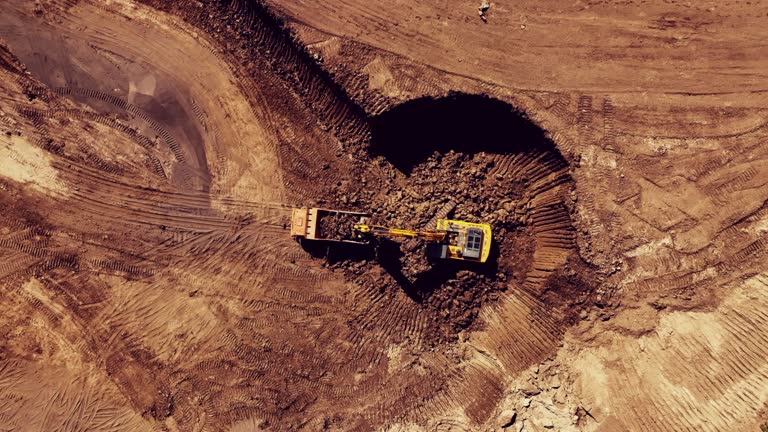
(336, 226)
(464, 179)
(473, 187)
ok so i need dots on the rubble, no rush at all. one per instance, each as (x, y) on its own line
(336, 226)
(507, 418)
(482, 9)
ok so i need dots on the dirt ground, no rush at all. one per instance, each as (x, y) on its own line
(151, 152)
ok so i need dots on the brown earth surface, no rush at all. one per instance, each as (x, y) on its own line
(151, 152)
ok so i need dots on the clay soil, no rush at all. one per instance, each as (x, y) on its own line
(151, 152)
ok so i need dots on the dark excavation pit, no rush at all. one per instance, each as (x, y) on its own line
(483, 161)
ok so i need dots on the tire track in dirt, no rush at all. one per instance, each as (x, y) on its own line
(152, 160)
(129, 108)
(728, 379)
(189, 173)
(75, 405)
(127, 356)
(112, 198)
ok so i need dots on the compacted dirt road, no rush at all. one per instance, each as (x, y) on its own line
(151, 151)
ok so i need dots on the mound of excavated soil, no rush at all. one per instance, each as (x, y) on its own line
(336, 226)
(442, 167)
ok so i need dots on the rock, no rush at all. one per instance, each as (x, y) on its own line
(531, 390)
(527, 402)
(507, 418)
(547, 423)
(560, 396)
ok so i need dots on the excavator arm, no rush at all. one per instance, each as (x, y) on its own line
(376, 230)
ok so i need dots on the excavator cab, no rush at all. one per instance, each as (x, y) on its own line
(464, 241)
(473, 243)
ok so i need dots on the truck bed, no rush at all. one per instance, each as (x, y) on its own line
(326, 224)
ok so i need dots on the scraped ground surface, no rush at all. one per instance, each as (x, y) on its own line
(150, 153)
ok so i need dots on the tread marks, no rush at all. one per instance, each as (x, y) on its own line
(719, 194)
(129, 271)
(101, 164)
(155, 166)
(480, 392)
(609, 125)
(712, 165)
(38, 119)
(131, 109)
(543, 210)
(584, 111)
(743, 257)
(115, 199)
(16, 263)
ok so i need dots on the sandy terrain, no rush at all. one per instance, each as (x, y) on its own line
(151, 151)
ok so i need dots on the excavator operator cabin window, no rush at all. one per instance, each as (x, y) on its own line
(474, 242)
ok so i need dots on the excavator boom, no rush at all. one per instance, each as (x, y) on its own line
(430, 235)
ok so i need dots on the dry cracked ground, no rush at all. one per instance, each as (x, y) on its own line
(151, 151)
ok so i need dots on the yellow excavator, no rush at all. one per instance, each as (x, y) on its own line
(450, 239)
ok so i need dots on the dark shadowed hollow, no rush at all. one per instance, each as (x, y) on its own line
(407, 134)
